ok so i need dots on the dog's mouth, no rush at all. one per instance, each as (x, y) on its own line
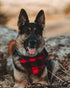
(32, 51)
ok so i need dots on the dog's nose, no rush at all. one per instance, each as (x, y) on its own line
(33, 43)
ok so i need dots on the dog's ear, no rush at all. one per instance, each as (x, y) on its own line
(40, 19)
(23, 18)
(11, 47)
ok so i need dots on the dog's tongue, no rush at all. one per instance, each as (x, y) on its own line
(32, 50)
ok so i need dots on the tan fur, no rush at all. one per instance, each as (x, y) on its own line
(21, 78)
(19, 45)
(42, 43)
(11, 47)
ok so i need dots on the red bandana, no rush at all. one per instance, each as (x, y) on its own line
(35, 65)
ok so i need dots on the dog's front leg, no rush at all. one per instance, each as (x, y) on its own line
(21, 79)
(54, 68)
(42, 80)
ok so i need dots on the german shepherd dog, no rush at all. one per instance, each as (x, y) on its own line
(30, 55)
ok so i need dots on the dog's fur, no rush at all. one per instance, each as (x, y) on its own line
(21, 75)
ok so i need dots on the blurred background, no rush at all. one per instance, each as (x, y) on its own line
(57, 13)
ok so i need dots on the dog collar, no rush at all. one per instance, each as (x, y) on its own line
(34, 65)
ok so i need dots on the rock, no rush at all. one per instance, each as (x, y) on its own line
(59, 47)
(6, 35)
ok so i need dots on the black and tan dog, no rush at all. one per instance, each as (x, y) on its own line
(30, 55)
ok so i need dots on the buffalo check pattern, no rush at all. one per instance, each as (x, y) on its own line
(35, 65)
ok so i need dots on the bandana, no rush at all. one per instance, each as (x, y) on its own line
(34, 65)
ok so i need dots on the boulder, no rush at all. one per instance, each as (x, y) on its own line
(59, 47)
(6, 35)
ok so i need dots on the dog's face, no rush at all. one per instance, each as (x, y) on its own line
(30, 40)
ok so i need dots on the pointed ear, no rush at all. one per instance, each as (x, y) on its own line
(11, 47)
(23, 18)
(40, 19)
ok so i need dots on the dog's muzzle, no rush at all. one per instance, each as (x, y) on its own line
(31, 44)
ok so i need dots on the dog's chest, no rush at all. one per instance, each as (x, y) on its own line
(35, 65)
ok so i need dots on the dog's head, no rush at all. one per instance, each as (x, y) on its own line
(30, 39)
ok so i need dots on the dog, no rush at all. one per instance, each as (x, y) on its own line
(28, 51)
